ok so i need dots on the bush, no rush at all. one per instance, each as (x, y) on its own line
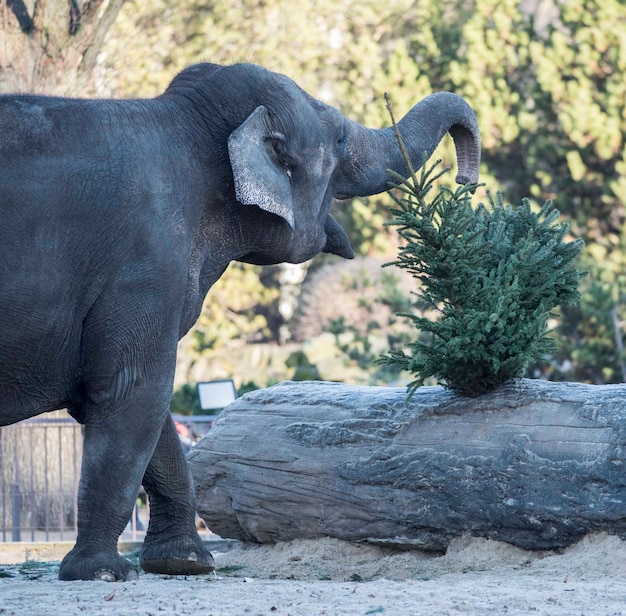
(492, 274)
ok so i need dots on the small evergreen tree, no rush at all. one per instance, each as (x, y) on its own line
(492, 275)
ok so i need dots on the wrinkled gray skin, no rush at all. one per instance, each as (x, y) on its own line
(117, 216)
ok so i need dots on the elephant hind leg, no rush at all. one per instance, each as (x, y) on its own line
(123, 419)
(115, 455)
(172, 545)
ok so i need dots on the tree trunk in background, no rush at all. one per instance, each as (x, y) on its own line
(51, 46)
(536, 464)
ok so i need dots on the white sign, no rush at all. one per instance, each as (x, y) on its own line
(216, 394)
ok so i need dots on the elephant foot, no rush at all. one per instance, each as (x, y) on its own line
(104, 566)
(175, 555)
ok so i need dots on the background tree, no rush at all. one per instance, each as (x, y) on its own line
(51, 46)
(545, 79)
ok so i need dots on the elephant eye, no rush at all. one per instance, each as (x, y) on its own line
(279, 154)
(341, 138)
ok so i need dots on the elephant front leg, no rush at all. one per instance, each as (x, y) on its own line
(172, 545)
(116, 451)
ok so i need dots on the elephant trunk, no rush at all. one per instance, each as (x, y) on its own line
(370, 153)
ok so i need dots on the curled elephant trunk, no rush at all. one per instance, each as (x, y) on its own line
(370, 153)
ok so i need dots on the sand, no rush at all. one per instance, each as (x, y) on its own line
(330, 577)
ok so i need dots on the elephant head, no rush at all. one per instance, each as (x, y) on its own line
(291, 154)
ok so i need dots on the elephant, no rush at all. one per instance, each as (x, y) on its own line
(117, 218)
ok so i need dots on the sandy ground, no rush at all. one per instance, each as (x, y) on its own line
(329, 577)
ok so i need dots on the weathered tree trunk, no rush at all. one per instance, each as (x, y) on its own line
(50, 46)
(535, 464)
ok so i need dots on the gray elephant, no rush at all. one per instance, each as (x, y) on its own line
(117, 216)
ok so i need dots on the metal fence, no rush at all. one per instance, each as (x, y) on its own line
(39, 474)
(40, 461)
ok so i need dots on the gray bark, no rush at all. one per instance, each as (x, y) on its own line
(535, 464)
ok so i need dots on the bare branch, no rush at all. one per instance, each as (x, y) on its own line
(101, 28)
(39, 11)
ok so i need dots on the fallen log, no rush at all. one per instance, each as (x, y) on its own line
(534, 463)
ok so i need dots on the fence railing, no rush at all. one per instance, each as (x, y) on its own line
(39, 474)
(40, 461)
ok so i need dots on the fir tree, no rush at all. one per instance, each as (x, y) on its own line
(492, 276)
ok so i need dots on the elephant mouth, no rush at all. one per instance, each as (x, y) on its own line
(257, 258)
(303, 246)
(337, 242)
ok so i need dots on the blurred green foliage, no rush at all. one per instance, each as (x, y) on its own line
(186, 401)
(242, 305)
(546, 80)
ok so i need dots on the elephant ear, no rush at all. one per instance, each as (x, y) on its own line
(258, 179)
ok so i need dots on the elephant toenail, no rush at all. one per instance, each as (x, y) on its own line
(132, 575)
(193, 557)
(105, 575)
